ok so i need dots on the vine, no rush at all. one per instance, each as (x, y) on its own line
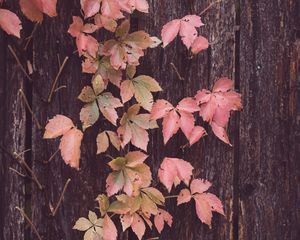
(129, 193)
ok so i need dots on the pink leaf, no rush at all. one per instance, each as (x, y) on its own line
(114, 183)
(160, 219)
(188, 105)
(134, 158)
(215, 203)
(138, 226)
(109, 229)
(173, 171)
(199, 186)
(90, 7)
(184, 196)
(203, 209)
(10, 22)
(160, 109)
(171, 125)
(187, 123)
(70, 147)
(197, 133)
(170, 31)
(58, 126)
(199, 44)
(220, 132)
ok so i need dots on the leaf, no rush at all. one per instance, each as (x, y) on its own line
(82, 224)
(156, 196)
(126, 48)
(185, 27)
(109, 229)
(126, 221)
(89, 114)
(10, 22)
(155, 42)
(215, 106)
(58, 126)
(106, 22)
(199, 44)
(140, 5)
(133, 128)
(90, 7)
(138, 226)
(70, 147)
(111, 8)
(199, 186)
(175, 118)
(160, 219)
(103, 203)
(184, 196)
(34, 9)
(203, 209)
(173, 170)
(130, 173)
(102, 142)
(171, 125)
(197, 133)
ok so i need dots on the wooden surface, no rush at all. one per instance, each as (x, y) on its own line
(256, 43)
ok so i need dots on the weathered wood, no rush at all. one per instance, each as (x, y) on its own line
(268, 168)
(12, 132)
(253, 42)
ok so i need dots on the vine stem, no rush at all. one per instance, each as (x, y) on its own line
(171, 196)
(19, 62)
(29, 221)
(61, 68)
(176, 71)
(52, 157)
(25, 165)
(209, 7)
(61, 197)
(30, 109)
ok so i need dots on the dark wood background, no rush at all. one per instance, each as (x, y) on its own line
(256, 43)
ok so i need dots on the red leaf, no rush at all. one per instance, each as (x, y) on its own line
(173, 171)
(58, 126)
(70, 147)
(160, 219)
(138, 226)
(199, 44)
(171, 124)
(184, 196)
(185, 27)
(197, 133)
(109, 229)
(10, 22)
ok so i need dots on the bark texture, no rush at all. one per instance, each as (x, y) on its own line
(256, 43)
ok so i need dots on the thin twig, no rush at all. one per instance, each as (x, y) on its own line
(17, 172)
(153, 238)
(29, 221)
(29, 109)
(171, 196)
(61, 197)
(109, 156)
(31, 36)
(209, 7)
(51, 157)
(59, 88)
(176, 71)
(56, 79)
(23, 163)
(19, 63)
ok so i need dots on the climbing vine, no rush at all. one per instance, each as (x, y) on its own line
(130, 196)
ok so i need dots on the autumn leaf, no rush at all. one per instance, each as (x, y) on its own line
(141, 88)
(174, 170)
(84, 42)
(71, 139)
(129, 174)
(199, 44)
(206, 203)
(185, 27)
(215, 106)
(133, 128)
(92, 226)
(126, 48)
(10, 22)
(103, 139)
(109, 229)
(97, 100)
(160, 219)
(177, 118)
(34, 9)
(108, 23)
